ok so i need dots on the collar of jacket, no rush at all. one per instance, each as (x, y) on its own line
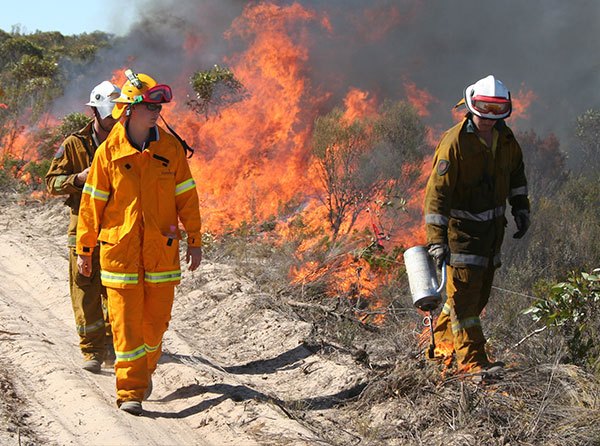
(86, 132)
(470, 125)
(85, 136)
(120, 146)
(152, 136)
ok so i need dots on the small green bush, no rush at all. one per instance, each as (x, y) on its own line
(37, 171)
(573, 307)
(215, 89)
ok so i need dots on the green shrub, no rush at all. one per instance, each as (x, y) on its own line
(573, 308)
(215, 89)
(7, 179)
(37, 171)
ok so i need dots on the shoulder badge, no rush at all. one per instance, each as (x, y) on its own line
(442, 167)
(60, 152)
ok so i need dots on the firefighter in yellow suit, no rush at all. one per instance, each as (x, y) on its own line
(66, 176)
(138, 189)
(477, 167)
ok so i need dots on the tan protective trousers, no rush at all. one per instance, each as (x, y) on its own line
(458, 327)
(139, 317)
(88, 298)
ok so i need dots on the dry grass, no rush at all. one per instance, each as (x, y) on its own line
(406, 399)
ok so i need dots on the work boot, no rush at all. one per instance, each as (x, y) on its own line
(495, 366)
(148, 391)
(110, 357)
(491, 372)
(92, 365)
(132, 407)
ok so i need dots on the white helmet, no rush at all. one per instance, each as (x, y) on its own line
(488, 98)
(101, 97)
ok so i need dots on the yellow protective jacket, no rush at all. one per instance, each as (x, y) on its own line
(465, 198)
(72, 157)
(131, 204)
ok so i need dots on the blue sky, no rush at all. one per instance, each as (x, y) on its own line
(68, 16)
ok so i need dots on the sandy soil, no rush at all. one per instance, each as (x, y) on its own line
(233, 365)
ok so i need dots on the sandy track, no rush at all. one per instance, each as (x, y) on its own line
(230, 366)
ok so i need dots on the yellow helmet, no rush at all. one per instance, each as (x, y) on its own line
(140, 88)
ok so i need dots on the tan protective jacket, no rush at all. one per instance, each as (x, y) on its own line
(131, 204)
(72, 157)
(465, 198)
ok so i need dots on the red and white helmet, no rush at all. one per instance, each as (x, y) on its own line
(488, 98)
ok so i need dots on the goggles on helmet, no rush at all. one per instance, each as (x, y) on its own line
(156, 95)
(490, 105)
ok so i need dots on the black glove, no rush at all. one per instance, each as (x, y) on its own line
(522, 221)
(440, 253)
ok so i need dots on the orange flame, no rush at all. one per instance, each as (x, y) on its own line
(420, 99)
(358, 105)
(521, 103)
(253, 161)
(254, 157)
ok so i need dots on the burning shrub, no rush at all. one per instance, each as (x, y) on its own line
(8, 182)
(35, 171)
(215, 89)
(364, 161)
(26, 166)
(47, 139)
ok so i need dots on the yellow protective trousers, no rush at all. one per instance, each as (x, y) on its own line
(139, 318)
(458, 327)
(88, 298)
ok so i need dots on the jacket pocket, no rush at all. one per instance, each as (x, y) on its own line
(161, 253)
(118, 255)
(109, 235)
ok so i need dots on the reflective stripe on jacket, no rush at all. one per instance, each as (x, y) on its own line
(131, 202)
(72, 157)
(465, 198)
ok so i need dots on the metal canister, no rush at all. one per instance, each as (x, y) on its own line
(422, 278)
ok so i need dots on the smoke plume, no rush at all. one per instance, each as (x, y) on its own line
(543, 47)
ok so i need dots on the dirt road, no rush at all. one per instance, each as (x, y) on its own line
(232, 365)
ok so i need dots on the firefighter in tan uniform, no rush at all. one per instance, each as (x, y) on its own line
(66, 176)
(139, 188)
(477, 167)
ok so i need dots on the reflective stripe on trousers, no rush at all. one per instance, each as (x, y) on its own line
(140, 316)
(468, 290)
(88, 299)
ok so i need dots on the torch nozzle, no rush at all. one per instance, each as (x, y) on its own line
(428, 322)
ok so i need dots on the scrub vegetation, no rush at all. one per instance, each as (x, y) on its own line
(542, 319)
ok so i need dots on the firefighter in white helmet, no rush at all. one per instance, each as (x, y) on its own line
(477, 167)
(66, 176)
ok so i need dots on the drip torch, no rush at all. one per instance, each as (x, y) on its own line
(424, 288)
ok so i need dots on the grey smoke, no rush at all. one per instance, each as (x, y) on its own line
(548, 47)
